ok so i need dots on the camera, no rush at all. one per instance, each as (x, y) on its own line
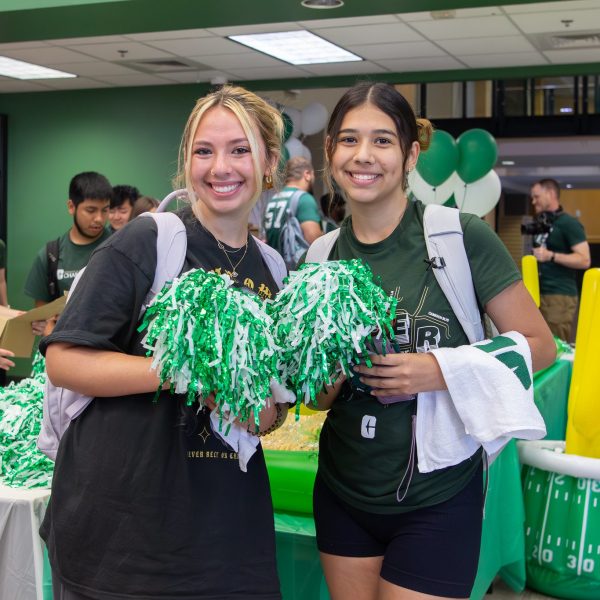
(541, 225)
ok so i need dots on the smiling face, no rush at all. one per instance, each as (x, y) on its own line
(367, 161)
(120, 215)
(222, 170)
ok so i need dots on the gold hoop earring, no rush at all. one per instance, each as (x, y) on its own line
(268, 184)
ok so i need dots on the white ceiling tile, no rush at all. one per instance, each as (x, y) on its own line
(239, 61)
(22, 45)
(565, 57)
(421, 64)
(449, 29)
(513, 59)
(9, 86)
(259, 28)
(132, 80)
(582, 20)
(194, 76)
(370, 34)
(200, 46)
(81, 83)
(360, 68)
(403, 49)
(48, 55)
(544, 7)
(97, 39)
(134, 50)
(348, 22)
(459, 14)
(168, 35)
(290, 72)
(91, 69)
(487, 45)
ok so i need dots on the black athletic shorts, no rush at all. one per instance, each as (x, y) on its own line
(433, 550)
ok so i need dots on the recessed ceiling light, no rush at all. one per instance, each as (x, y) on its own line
(569, 186)
(296, 47)
(18, 69)
(508, 163)
(566, 109)
(322, 3)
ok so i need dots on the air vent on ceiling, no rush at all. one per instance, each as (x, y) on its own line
(163, 65)
(567, 41)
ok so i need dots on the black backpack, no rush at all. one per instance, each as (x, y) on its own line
(52, 268)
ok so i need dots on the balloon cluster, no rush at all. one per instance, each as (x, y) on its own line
(298, 124)
(458, 172)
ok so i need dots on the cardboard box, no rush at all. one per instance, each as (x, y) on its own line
(15, 326)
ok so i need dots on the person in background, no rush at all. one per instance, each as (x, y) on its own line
(299, 176)
(561, 252)
(384, 528)
(147, 501)
(122, 202)
(144, 204)
(3, 292)
(333, 208)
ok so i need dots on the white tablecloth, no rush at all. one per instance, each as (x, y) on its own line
(21, 548)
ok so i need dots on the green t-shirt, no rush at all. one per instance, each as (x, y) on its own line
(71, 259)
(365, 472)
(566, 232)
(2, 255)
(308, 210)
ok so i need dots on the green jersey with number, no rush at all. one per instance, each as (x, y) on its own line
(308, 210)
(365, 445)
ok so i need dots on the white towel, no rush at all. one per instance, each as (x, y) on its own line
(236, 436)
(488, 402)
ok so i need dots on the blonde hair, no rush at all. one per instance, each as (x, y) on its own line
(257, 118)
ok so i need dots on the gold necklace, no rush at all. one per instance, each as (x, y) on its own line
(221, 246)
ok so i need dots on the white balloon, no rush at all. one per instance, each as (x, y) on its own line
(296, 116)
(314, 118)
(426, 193)
(479, 197)
(295, 147)
(445, 189)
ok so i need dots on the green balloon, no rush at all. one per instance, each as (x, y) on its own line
(288, 126)
(478, 153)
(439, 161)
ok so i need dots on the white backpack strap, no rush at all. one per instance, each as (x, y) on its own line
(171, 245)
(320, 249)
(274, 262)
(450, 265)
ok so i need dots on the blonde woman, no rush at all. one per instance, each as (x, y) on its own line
(146, 502)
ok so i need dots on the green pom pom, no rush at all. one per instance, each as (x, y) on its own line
(324, 315)
(206, 336)
(22, 464)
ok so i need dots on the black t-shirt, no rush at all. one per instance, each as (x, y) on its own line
(146, 501)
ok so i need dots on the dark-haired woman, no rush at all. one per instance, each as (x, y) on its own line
(385, 530)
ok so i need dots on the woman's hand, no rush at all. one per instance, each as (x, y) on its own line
(5, 363)
(403, 373)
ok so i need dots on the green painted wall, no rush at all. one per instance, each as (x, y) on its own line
(130, 135)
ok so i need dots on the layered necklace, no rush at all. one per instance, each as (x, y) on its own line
(221, 246)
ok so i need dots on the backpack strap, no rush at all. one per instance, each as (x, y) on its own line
(273, 260)
(171, 246)
(52, 253)
(450, 264)
(321, 248)
(294, 200)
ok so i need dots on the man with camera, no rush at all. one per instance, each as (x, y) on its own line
(561, 248)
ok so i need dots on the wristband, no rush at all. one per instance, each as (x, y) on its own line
(552, 257)
(275, 425)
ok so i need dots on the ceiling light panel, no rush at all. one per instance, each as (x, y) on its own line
(18, 69)
(297, 47)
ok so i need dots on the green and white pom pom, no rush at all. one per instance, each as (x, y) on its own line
(324, 315)
(38, 364)
(21, 463)
(207, 336)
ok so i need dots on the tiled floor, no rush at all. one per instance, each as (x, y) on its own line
(501, 591)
